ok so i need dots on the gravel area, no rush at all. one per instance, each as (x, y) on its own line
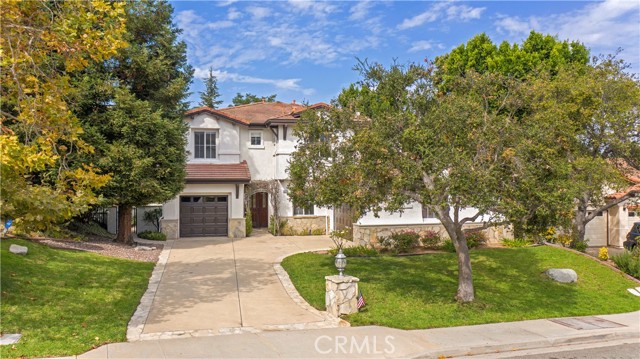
(108, 248)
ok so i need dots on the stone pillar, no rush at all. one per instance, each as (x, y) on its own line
(237, 228)
(169, 227)
(341, 295)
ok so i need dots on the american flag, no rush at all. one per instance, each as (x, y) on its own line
(361, 302)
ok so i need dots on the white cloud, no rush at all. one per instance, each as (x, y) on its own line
(224, 76)
(225, 3)
(258, 12)
(360, 10)
(464, 12)
(443, 9)
(421, 46)
(318, 9)
(219, 24)
(425, 17)
(233, 14)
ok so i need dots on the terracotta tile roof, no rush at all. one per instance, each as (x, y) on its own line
(222, 172)
(631, 174)
(258, 113)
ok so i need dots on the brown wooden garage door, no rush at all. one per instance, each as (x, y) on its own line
(202, 216)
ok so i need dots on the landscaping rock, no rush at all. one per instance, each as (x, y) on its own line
(14, 248)
(144, 248)
(562, 275)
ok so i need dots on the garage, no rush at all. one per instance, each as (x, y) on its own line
(204, 216)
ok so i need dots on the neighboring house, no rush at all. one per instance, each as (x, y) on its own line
(610, 227)
(233, 154)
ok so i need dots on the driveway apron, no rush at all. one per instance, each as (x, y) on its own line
(221, 284)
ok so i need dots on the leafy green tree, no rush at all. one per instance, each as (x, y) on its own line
(132, 108)
(42, 44)
(539, 56)
(394, 138)
(211, 93)
(248, 98)
(599, 104)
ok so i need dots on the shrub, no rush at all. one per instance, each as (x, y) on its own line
(603, 254)
(580, 246)
(154, 236)
(516, 242)
(431, 239)
(317, 232)
(475, 239)
(628, 262)
(248, 223)
(563, 239)
(153, 216)
(356, 251)
(277, 228)
(448, 246)
(400, 242)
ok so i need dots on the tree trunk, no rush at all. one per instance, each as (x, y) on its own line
(124, 225)
(465, 292)
(579, 223)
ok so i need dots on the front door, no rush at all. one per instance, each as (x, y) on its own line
(259, 210)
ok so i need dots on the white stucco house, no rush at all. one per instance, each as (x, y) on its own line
(230, 149)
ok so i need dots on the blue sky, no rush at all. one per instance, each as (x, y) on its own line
(305, 51)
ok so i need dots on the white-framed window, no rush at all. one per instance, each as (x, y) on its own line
(427, 213)
(255, 139)
(302, 211)
(204, 144)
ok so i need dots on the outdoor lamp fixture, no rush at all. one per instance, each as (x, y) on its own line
(341, 262)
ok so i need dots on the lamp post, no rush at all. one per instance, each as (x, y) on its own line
(341, 262)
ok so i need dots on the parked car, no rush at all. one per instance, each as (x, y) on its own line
(632, 237)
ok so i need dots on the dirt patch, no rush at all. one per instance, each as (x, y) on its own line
(107, 248)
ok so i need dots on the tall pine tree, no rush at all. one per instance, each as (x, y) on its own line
(209, 96)
(132, 107)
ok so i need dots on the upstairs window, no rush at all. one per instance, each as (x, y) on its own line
(256, 138)
(205, 144)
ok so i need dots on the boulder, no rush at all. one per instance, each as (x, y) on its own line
(144, 248)
(14, 248)
(562, 275)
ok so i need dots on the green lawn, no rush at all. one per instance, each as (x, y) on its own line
(417, 292)
(66, 302)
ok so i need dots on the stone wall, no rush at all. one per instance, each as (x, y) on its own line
(170, 228)
(237, 228)
(303, 225)
(368, 235)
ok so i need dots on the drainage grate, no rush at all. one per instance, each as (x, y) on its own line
(587, 323)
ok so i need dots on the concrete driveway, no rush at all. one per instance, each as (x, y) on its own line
(222, 285)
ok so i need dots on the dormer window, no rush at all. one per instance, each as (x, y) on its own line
(255, 138)
(204, 144)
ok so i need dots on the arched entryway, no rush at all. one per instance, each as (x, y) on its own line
(260, 209)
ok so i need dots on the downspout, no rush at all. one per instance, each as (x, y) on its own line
(608, 228)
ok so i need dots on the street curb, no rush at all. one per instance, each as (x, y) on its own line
(527, 345)
(139, 318)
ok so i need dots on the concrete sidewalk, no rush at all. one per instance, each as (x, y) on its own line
(380, 342)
